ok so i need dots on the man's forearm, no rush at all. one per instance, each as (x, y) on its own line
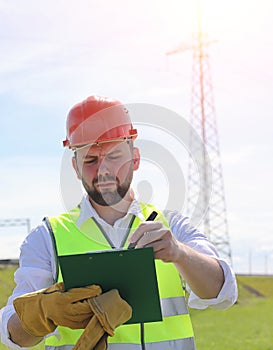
(203, 273)
(18, 335)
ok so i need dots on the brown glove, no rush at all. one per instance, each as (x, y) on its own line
(42, 311)
(103, 343)
(110, 311)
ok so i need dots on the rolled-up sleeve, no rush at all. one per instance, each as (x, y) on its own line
(195, 239)
(227, 296)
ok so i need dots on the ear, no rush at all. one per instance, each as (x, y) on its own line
(75, 166)
(136, 158)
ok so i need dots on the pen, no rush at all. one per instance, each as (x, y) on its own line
(151, 217)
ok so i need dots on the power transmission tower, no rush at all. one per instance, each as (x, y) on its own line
(209, 184)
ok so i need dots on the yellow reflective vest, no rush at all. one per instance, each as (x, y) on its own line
(173, 332)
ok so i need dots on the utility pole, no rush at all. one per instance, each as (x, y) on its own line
(266, 263)
(203, 121)
(250, 262)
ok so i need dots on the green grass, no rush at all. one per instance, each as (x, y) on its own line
(6, 283)
(241, 327)
(6, 286)
(245, 326)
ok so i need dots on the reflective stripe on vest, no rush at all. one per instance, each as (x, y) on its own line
(181, 344)
(173, 306)
(176, 325)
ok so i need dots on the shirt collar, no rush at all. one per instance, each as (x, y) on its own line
(87, 211)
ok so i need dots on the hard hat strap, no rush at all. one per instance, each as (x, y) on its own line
(123, 139)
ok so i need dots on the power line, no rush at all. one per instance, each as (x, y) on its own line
(15, 222)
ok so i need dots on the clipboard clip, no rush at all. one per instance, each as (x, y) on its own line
(151, 217)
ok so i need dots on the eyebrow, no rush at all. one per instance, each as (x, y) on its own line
(88, 156)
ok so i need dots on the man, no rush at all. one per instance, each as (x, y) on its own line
(100, 133)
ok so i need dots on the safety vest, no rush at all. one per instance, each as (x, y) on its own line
(174, 332)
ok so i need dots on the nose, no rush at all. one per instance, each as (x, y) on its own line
(103, 168)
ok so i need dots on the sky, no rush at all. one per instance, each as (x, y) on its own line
(56, 53)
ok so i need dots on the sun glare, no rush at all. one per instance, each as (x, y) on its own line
(232, 18)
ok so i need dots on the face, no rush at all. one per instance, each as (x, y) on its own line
(106, 171)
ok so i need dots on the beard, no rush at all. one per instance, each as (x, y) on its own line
(108, 197)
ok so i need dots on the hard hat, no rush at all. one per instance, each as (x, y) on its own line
(97, 120)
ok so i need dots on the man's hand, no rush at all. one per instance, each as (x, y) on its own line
(42, 311)
(156, 235)
(202, 273)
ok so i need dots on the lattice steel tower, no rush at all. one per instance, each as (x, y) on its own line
(209, 184)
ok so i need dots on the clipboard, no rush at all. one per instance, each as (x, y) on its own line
(132, 272)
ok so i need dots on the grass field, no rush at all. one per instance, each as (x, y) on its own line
(245, 326)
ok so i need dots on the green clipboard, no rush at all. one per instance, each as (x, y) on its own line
(132, 272)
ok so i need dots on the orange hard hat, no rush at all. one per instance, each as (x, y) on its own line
(97, 120)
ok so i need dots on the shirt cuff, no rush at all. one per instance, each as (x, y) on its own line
(226, 297)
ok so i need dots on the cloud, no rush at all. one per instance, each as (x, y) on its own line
(51, 59)
(30, 186)
(242, 155)
(11, 239)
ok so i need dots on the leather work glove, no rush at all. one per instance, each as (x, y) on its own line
(42, 311)
(110, 311)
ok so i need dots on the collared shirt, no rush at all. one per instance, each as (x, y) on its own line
(38, 266)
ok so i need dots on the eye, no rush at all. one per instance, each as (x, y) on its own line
(90, 161)
(114, 156)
